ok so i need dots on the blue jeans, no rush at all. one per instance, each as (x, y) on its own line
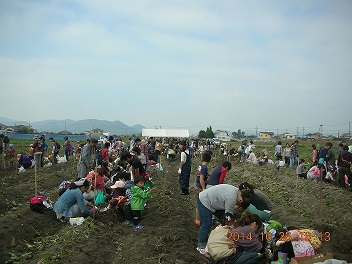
(205, 216)
(247, 258)
(293, 162)
(244, 258)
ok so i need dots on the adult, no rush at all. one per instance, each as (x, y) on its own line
(218, 200)
(24, 161)
(72, 203)
(55, 149)
(324, 156)
(184, 169)
(278, 150)
(38, 148)
(84, 164)
(344, 166)
(245, 234)
(260, 203)
(294, 154)
(287, 154)
(67, 147)
(136, 166)
(143, 146)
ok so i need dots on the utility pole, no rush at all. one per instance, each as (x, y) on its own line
(303, 132)
(277, 132)
(349, 130)
(297, 132)
(256, 131)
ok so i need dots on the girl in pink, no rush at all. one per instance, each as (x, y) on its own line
(314, 153)
(318, 172)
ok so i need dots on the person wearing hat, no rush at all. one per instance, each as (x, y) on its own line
(24, 161)
(184, 169)
(72, 203)
(84, 164)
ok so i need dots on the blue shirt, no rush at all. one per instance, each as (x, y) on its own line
(70, 197)
(202, 170)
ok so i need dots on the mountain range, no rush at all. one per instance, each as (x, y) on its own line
(77, 126)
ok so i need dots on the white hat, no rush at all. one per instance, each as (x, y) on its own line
(118, 184)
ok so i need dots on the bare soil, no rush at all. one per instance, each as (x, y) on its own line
(169, 234)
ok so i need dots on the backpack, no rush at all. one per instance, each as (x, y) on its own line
(39, 203)
(40, 144)
(219, 245)
(69, 146)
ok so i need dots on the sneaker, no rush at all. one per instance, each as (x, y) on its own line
(127, 223)
(137, 227)
(201, 250)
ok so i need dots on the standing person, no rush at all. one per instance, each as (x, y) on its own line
(143, 146)
(314, 153)
(344, 162)
(250, 148)
(202, 176)
(55, 149)
(105, 152)
(84, 164)
(278, 151)
(218, 200)
(139, 196)
(287, 155)
(219, 174)
(11, 155)
(138, 152)
(38, 148)
(77, 150)
(184, 169)
(67, 147)
(294, 154)
(324, 156)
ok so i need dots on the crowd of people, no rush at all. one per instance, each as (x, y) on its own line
(114, 175)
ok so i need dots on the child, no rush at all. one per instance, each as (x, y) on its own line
(219, 174)
(139, 196)
(11, 155)
(202, 176)
(318, 172)
(311, 170)
(127, 205)
(117, 196)
(300, 169)
(330, 176)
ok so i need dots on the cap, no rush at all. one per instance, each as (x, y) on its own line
(82, 182)
(118, 184)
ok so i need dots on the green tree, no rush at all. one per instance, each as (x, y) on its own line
(24, 130)
(202, 134)
(209, 132)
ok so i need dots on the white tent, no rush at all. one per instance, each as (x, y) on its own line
(165, 133)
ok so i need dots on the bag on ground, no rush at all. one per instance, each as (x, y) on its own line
(219, 246)
(40, 203)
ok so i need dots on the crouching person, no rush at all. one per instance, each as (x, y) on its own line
(72, 203)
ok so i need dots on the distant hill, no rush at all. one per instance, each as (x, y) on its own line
(79, 126)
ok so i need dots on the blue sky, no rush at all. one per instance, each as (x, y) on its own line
(274, 65)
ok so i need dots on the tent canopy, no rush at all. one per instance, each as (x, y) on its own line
(165, 133)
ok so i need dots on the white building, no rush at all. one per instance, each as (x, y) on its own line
(222, 135)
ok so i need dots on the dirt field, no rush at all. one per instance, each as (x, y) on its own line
(169, 235)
